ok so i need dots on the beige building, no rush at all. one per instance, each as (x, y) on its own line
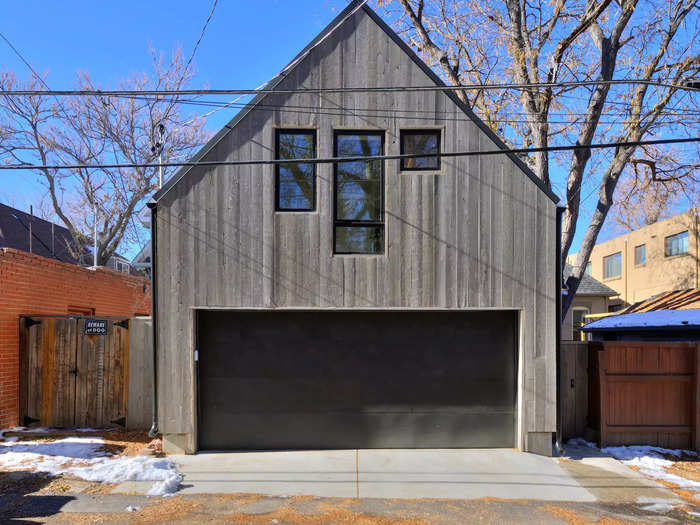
(651, 260)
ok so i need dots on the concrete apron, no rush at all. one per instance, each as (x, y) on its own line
(453, 474)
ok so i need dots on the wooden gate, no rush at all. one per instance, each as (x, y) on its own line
(70, 377)
(645, 393)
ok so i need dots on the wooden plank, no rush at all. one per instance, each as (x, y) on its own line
(140, 380)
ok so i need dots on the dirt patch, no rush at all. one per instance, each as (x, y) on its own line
(574, 518)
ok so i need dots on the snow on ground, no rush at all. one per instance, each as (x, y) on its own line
(650, 461)
(84, 458)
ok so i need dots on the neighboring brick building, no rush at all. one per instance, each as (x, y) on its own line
(31, 284)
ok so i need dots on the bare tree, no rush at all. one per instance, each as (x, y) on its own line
(95, 130)
(538, 41)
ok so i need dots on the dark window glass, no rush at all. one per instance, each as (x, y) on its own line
(296, 182)
(359, 239)
(677, 244)
(359, 194)
(415, 142)
(640, 254)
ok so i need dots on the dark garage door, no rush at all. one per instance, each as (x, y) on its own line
(314, 380)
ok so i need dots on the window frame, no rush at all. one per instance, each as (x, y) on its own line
(666, 239)
(637, 263)
(296, 131)
(589, 269)
(359, 223)
(616, 276)
(574, 329)
(421, 131)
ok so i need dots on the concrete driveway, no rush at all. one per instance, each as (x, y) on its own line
(458, 474)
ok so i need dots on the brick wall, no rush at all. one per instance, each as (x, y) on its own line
(30, 284)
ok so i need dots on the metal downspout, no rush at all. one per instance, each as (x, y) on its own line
(558, 445)
(153, 205)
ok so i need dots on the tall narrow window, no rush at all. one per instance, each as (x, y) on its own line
(417, 142)
(359, 193)
(295, 184)
(612, 265)
(589, 269)
(677, 244)
(640, 254)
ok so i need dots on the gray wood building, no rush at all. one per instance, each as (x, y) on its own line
(357, 304)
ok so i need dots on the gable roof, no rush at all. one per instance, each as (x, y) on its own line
(589, 285)
(350, 9)
(48, 239)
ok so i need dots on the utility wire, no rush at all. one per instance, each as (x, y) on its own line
(388, 112)
(194, 49)
(26, 63)
(311, 91)
(335, 160)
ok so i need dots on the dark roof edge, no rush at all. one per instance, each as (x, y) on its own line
(354, 4)
(480, 123)
(644, 328)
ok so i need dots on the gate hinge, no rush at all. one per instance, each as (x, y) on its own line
(124, 323)
(121, 421)
(28, 321)
(29, 420)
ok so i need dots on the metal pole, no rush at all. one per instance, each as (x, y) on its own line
(160, 169)
(94, 214)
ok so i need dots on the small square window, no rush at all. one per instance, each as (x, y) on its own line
(295, 182)
(640, 254)
(420, 141)
(677, 244)
(589, 269)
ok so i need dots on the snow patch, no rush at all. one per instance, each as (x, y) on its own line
(651, 462)
(83, 458)
(660, 508)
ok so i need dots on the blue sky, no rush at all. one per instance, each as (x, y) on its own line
(246, 43)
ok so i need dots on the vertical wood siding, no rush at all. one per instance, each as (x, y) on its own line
(479, 234)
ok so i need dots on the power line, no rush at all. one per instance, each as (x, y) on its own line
(388, 112)
(334, 160)
(311, 91)
(201, 35)
(26, 63)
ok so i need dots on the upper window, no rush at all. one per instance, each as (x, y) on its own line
(417, 142)
(612, 265)
(677, 244)
(640, 254)
(295, 182)
(359, 193)
(579, 321)
(589, 269)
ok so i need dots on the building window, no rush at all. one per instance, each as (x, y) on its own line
(677, 244)
(359, 193)
(640, 254)
(614, 307)
(579, 321)
(423, 141)
(295, 183)
(589, 269)
(612, 265)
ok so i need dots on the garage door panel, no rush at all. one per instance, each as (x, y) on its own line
(369, 430)
(271, 379)
(347, 395)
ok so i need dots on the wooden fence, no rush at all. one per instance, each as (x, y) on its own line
(74, 371)
(645, 393)
(574, 388)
